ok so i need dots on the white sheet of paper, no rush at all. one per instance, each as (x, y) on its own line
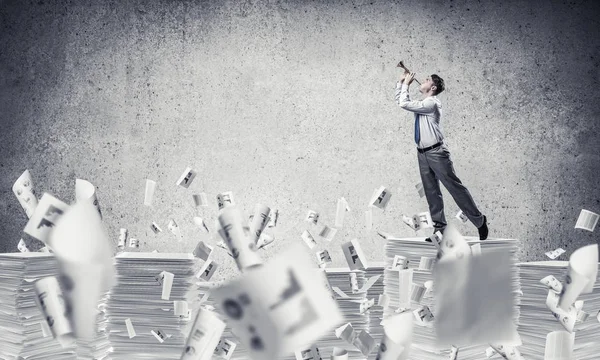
(566, 318)
(174, 228)
(208, 270)
(416, 292)
(130, 330)
(340, 213)
(203, 250)
(381, 198)
(308, 239)
(259, 222)
(134, 243)
(25, 192)
(53, 306)
(559, 346)
(155, 228)
(397, 337)
(453, 353)
(464, 319)
(123, 233)
(552, 283)
(507, 352)
(400, 262)
(159, 335)
(354, 255)
(204, 336)
(369, 218)
(186, 178)
(476, 249)
(311, 353)
(323, 258)
(273, 218)
(462, 217)
(84, 253)
(45, 328)
(328, 233)
(225, 199)
(292, 309)
(167, 283)
(22, 247)
(180, 308)
(44, 218)
(200, 223)
(426, 263)
(555, 253)
(236, 236)
(264, 240)
(149, 192)
(86, 191)
(581, 275)
(339, 354)
(225, 349)
(383, 300)
(587, 220)
(370, 282)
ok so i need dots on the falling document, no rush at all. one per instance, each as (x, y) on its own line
(280, 316)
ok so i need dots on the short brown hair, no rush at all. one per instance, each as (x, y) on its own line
(439, 83)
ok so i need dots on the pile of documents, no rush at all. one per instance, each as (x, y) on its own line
(99, 347)
(374, 292)
(408, 282)
(537, 321)
(24, 333)
(349, 304)
(151, 307)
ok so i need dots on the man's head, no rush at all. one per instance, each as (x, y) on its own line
(433, 85)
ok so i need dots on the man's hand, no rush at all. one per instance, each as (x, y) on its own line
(409, 78)
(403, 76)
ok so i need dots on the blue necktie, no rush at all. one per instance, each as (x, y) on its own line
(417, 130)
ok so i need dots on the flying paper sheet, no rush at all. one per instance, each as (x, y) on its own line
(123, 233)
(44, 218)
(86, 191)
(22, 247)
(567, 317)
(559, 346)
(259, 222)
(277, 317)
(186, 178)
(308, 239)
(54, 308)
(200, 199)
(339, 354)
(149, 192)
(236, 237)
(204, 336)
(225, 349)
(462, 217)
(83, 250)
(225, 199)
(464, 319)
(420, 190)
(355, 257)
(552, 283)
(25, 193)
(200, 223)
(311, 353)
(130, 330)
(174, 228)
(581, 275)
(328, 233)
(342, 207)
(353, 282)
(397, 337)
(380, 198)
(202, 250)
(587, 220)
(555, 253)
(323, 258)
(208, 270)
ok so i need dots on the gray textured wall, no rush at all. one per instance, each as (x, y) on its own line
(291, 104)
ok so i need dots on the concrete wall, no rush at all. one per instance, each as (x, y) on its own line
(291, 104)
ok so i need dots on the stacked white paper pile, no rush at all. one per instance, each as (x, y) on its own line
(99, 347)
(376, 312)
(350, 309)
(424, 346)
(537, 321)
(21, 335)
(137, 296)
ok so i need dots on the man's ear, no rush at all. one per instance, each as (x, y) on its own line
(434, 88)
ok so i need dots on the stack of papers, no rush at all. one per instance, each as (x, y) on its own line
(142, 323)
(21, 320)
(99, 347)
(403, 288)
(537, 321)
(350, 309)
(376, 312)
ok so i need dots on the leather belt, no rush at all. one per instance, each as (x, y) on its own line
(430, 147)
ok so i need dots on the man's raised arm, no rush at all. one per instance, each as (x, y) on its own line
(426, 106)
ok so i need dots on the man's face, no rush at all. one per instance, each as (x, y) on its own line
(426, 85)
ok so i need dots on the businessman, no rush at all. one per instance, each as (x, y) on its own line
(433, 155)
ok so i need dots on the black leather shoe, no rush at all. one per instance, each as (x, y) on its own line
(483, 230)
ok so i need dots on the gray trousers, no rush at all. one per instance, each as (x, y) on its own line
(435, 166)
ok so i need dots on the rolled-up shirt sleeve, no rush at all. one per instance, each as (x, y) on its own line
(426, 106)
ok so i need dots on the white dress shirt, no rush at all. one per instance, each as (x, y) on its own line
(429, 111)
